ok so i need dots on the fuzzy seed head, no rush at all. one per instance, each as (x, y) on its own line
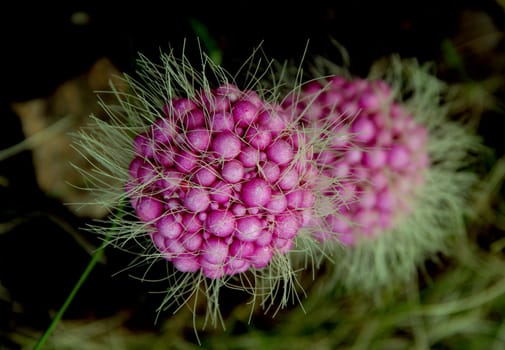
(398, 170)
(215, 182)
(369, 136)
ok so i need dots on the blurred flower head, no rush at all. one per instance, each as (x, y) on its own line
(402, 168)
(373, 145)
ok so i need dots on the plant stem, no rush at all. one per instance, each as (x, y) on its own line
(94, 259)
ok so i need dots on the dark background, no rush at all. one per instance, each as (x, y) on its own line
(41, 48)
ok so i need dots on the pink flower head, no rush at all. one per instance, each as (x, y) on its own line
(213, 179)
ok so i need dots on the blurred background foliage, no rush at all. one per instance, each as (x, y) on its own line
(55, 56)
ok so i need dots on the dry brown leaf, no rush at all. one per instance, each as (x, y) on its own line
(47, 123)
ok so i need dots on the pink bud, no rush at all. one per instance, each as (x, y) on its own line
(349, 108)
(353, 156)
(258, 137)
(185, 161)
(163, 131)
(148, 208)
(253, 97)
(273, 121)
(174, 248)
(286, 226)
(261, 257)
(248, 228)
(236, 265)
(186, 263)
(295, 199)
(197, 200)
(282, 245)
(220, 103)
(337, 81)
(369, 101)
(220, 222)
(226, 145)
(326, 157)
(169, 181)
(222, 121)
(264, 238)
(159, 242)
(368, 199)
(193, 119)
(239, 210)
(212, 271)
(164, 154)
(398, 157)
(192, 241)
(191, 223)
(347, 239)
(280, 152)
(256, 193)
(143, 146)
(337, 224)
(147, 173)
(331, 97)
(363, 129)
(199, 139)
(270, 171)
(340, 169)
(417, 139)
(366, 220)
(244, 113)
(249, 157)
(215, 251)
(231, 91)
(134, 166)
(277, 204)
(289, 179)
(233, 171)
(309, 198)
(385, 200)
(241, 249)
(180, 106)
(221, 192)
(205, 176)
(375, 158)
(378, 180)
(168, 227)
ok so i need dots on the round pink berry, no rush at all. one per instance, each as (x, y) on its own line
(215, 250)
(197, 200)
(249, 156)
(233, 171)
(199, 139)
(168, 227)
(222, 121)
(185, 161)
(220, 222)
(261, 256)
(148, 208)
(244, 113)
(205, 176)
(258, 137)
(286, 226)
(186, 263)
(226, 145)
(248, 228)
(256, 193)
(280, 152)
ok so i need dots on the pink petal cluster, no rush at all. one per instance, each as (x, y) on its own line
(373, 145)
(218, 183)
